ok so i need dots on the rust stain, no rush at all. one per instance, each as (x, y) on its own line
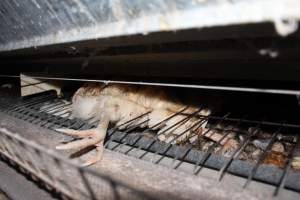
(276, 158)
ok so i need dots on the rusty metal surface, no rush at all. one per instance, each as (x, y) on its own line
(32, 23)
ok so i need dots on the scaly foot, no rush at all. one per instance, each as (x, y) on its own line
(86, 138)
(91, 137)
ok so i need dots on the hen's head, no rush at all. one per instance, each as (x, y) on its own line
(85, 101)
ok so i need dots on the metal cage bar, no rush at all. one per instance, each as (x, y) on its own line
(58, 177)
(48, 111)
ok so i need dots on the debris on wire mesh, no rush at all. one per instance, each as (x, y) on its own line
(296, 159)
(207, 133)
(277, 155)
(223, 139)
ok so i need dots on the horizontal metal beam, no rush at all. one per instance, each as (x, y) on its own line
(197, 86)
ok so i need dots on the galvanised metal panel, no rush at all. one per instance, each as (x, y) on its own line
(30, 23)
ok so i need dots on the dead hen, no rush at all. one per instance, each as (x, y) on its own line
(119, 103)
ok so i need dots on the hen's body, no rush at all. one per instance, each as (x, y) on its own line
(119, 103)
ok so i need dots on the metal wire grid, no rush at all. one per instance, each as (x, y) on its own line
(47, 110)
(65, 176)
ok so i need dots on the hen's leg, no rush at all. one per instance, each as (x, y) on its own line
(91, 137)
(98, 156)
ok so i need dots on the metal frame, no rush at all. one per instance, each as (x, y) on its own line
(37, 160)
(28, 23)
(51, 116)
(165, 84)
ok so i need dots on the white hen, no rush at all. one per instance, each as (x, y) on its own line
(119, 103)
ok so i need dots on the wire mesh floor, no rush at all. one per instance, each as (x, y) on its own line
(49, 111)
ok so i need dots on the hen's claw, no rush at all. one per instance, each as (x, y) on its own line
(79, 144)
(91, 137)
(98, 157)
(76, 133)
